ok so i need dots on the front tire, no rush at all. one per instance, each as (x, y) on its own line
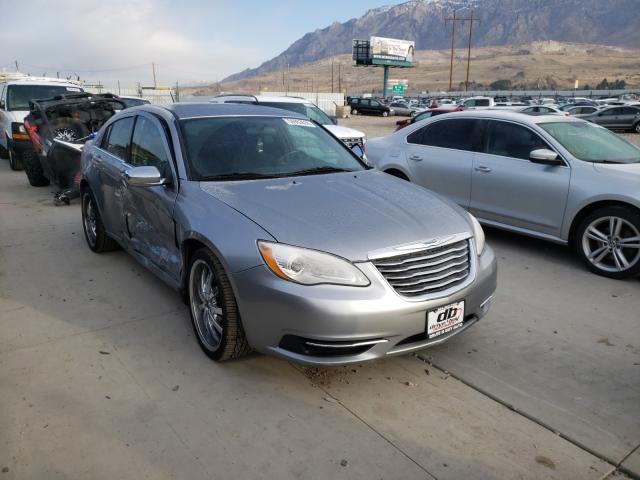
(15, 162)
(214, 311)
(608, 241)
(385, 114)
(354, 111)
(94, 232)
(636, 127)
(33, 169)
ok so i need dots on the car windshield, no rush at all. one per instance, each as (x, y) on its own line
(592, 143)
(232, 148)
(306, 109)
(18, 96)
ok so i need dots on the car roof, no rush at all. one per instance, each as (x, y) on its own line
(195, 110)
(513, 116)
(42, 81)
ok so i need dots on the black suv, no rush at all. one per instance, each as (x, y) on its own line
(369, 106)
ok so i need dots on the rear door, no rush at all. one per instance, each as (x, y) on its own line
(110, 161)
(440, 156)
(148, 210)
(629, 117)
(509, 189)
(609, 117)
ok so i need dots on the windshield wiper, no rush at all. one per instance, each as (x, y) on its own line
(237, 176)
(315, 170)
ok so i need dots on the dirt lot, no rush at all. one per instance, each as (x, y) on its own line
(101, 377)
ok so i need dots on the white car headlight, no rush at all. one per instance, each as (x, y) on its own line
(478, 234)
(310, 267)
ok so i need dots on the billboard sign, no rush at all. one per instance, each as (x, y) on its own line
(390, 51)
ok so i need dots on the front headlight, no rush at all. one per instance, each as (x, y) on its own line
(310, 267)
(478, 234)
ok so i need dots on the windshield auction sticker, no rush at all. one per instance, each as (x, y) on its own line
(299, 123)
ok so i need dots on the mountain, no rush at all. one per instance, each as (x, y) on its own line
(502, 22)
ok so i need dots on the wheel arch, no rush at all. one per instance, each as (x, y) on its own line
(397, 172)
(587, 209)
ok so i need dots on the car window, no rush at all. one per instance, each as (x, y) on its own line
(18, 96)
(459, 134)
(374, 103)
(355, 101)
(307, 109)
(120, 138)
(147, 147)
(268, 146)
(424, 115)
(512, 140)
(630, 111)
(592, 143)
(611, 111)
(105, 138)
(482, 102)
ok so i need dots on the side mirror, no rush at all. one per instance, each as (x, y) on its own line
(334, 120)
(544, 156)
(144, 177)
(1, 104)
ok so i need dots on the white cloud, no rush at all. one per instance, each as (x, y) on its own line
(72, 37)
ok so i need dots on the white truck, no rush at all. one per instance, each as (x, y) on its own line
(16, 91)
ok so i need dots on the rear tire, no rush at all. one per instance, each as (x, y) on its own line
(354, 111)
(94, 232)
(214, 311)
(33, 169)
(608, 241)
(636, 127)
(385, 114)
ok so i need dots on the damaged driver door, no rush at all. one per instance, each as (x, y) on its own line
(148, 209)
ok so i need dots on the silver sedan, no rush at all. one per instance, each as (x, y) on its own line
(279, 237)
(557, 178)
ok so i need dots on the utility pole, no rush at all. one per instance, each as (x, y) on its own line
(453, 21)
(332, 75)
(453, 44)
(17, 69)
(471, 20)
(153, 68)
(339, 78)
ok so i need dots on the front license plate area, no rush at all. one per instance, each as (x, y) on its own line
(446, 319)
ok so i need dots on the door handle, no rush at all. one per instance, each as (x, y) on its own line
(415, 158)
(483, 169)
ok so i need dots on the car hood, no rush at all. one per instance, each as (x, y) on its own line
(18, 115)
(619, 169)
(344, 132)
(350, 215)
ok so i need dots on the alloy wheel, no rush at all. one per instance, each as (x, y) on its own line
(611, 244)
(206, 304)
(90, 220)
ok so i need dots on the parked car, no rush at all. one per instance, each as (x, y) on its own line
(370, 106)
(15, 95)
(133, 101)
(616, 118)
(543, 110)
(349, 136)
(477, 102)
(403, 109)
(281, 239)
(431, 112)
(59, 127)
(557, 178)
(583, 110)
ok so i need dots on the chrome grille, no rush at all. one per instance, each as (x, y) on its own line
(350, 142)
(427, 271)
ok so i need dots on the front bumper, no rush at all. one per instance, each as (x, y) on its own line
(375, 318)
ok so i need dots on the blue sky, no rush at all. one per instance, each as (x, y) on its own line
(190, 40)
